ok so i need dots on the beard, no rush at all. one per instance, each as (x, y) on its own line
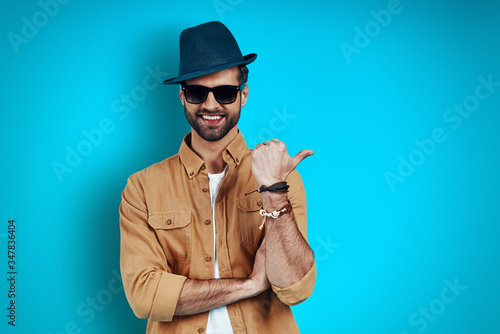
(212, 132)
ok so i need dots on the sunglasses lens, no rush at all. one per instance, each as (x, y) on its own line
(226, 94)
(223, 94)
(196, 94)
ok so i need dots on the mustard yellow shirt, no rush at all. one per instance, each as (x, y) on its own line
(167, 237)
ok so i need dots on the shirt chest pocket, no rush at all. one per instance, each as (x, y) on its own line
(173, 230)
(250, 220)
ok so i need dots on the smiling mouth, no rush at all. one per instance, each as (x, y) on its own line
(212, 117)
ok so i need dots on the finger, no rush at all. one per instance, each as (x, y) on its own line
(267, 142)
(258, 145)
(301, 156)
(278, 143)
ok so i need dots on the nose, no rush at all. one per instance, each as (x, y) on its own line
(210, 103)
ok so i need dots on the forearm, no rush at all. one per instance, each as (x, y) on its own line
(288, 255)
(204, 295)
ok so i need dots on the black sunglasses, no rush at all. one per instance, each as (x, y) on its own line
(197, 94)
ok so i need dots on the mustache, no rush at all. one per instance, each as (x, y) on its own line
(210, 112)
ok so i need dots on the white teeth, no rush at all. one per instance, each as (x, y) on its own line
(212, 118)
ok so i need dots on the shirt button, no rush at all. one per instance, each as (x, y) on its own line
(237, 160)
(191, 173)
(204, 190)
(208, 258)
(201, 330)
(259, 203)
(169, 222)
(207, 222)
(203, 167)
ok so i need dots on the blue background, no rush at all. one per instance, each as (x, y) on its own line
(386, 249)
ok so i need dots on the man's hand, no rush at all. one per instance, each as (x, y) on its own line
(204, 295)
(271, 162)
(259, 275)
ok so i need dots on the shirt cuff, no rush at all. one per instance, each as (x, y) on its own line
(299, 291)
(167, 295)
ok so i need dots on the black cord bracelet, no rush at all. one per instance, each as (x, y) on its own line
(279, 187)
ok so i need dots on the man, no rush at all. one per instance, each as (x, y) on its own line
(197, 252)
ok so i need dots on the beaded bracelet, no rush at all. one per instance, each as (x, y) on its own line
(274, 214)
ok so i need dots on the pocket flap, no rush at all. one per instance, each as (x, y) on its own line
(253, 203)
(169, 220)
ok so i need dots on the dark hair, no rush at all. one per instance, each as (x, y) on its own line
(243, 74)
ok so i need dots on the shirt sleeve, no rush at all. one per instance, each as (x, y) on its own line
(151, 289)
(301, 290)
(298, 292)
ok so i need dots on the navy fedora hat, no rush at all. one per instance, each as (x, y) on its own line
(208, 48)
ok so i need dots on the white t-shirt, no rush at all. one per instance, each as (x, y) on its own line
(218, 319)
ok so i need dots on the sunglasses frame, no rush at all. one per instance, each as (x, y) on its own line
(212, 89)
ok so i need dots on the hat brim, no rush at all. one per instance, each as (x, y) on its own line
(186, 76)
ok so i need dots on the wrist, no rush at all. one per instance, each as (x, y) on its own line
(251, 287)
(274, 201)
(271, 181)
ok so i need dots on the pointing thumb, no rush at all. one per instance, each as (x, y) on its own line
(301, 156)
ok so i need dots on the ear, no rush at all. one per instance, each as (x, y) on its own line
(244, 95)
(181, 95)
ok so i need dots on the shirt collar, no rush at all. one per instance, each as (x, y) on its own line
(193, 164)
